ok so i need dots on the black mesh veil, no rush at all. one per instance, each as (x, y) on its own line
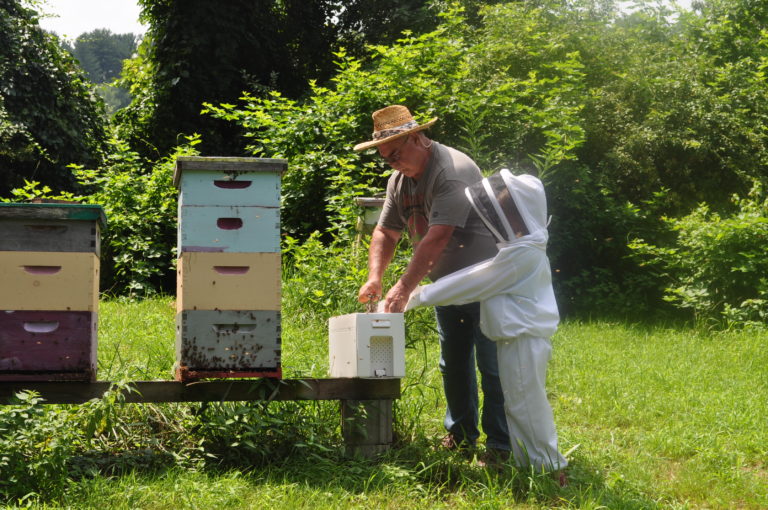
(494, 203)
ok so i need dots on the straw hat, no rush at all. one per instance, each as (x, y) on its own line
(390, 123)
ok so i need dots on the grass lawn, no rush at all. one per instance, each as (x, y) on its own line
(653, 417)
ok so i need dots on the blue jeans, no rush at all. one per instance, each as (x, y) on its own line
(461, 341)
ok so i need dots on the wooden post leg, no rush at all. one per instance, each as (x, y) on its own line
(366, 426)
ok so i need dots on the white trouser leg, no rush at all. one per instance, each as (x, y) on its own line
(523, 371)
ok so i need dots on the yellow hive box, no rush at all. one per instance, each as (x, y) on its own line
(228, 281)
(32, 280)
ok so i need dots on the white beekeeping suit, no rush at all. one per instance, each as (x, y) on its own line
(517, 307)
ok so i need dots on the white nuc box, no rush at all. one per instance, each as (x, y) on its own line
(367, 345)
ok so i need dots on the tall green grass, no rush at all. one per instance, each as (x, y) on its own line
(678, 414)
(136, 339)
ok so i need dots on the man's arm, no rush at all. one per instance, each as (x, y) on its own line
(428, 251)
(380, 253)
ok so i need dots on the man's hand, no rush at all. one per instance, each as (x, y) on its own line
(397, 298)
(428, 251)
(383, 242)
(371, 291)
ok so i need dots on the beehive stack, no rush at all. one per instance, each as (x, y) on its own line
(49, 291)
(228, 275)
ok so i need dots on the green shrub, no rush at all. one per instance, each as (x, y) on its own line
(141, 207)
(716, 266)
(43, 447)
(321, 280)
(593, 273)
(35, 445)
(33, 190)
(261, 432)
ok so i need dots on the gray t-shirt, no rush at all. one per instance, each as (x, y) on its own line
(437, 198)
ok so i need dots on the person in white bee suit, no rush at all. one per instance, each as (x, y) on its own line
(517, 308)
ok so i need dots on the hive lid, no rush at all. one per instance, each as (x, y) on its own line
(53, 211)
(231, 166)
(369, 201)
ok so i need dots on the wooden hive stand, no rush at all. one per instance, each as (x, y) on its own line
(366, 404)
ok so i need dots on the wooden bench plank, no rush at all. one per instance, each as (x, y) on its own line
(74, 392)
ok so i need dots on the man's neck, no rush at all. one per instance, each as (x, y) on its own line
(425, 156)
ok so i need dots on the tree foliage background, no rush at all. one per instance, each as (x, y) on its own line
(645, 126)
(49, 116)
(200, 51)
(101, 53)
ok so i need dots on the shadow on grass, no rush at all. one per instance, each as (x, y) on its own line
(427, 472)
(142, 461)
(413, 471)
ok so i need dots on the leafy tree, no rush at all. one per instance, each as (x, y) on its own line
(730, 30)
(363, 22)
(49, 117)
(200, 51)
(101, 53)
(432, 73)
(670, 117)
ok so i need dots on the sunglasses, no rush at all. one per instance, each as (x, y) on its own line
(395, 155)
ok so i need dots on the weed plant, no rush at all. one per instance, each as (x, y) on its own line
(651, 417)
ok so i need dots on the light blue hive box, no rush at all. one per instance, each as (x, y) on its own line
(229, 204)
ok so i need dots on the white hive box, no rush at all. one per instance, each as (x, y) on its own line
(367, 345)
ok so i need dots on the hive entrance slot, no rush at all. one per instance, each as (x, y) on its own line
(234, 328)
(229, 223)
(41, 327)
(231, 269)
(232, 184)
(48, 229)
(42, 269)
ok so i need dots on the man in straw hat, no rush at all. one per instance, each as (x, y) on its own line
(425, 195)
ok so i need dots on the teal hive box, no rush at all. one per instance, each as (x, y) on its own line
(51, 227)
(231, 229)
(205, 181)
(229, 204)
